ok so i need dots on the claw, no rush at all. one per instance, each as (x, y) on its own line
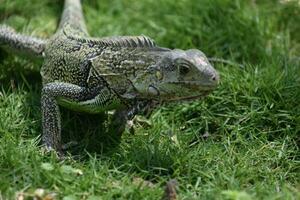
(130, 126)
(47, 150)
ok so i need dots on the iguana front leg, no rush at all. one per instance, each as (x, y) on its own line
(51, 93)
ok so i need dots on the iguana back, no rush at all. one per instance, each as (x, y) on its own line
(69, 52)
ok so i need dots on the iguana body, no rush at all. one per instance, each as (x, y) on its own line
(126, 74)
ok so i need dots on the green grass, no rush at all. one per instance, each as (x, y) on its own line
(252, 120)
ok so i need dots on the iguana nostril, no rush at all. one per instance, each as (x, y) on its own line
(215, 78)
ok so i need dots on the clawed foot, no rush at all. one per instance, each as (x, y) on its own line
(137, 121)
(47, 150)
(130, 126)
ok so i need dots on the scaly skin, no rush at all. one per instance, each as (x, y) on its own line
(129, 74)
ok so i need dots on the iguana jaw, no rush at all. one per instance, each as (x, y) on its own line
(200, 86)
(195, 90)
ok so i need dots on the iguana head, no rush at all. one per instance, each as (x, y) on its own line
(177, 75)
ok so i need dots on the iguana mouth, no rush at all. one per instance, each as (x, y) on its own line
(196, 85)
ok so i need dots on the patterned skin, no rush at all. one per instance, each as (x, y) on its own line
(128, 74)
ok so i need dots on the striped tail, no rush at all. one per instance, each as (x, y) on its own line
(21, 43)
(72, 20)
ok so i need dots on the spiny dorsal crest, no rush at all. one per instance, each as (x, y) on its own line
(128, 41)
(118, 41)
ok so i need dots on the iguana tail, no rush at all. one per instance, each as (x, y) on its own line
(72, 20)
(22, 43)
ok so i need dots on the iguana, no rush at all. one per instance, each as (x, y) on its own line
(128, 74)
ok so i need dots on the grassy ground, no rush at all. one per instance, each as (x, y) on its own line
(241, 142)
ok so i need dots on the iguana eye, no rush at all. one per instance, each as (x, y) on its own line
(183, 66)
(184, 69)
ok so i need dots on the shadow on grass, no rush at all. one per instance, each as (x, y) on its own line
(89, 131)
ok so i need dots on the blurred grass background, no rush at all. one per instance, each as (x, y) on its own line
(241, 142)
